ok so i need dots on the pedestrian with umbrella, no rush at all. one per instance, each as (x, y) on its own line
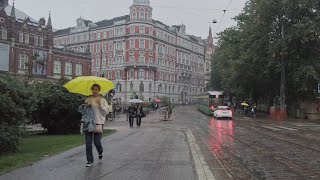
(245, 109)
(94, 110)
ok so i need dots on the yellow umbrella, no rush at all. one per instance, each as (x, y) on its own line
(82, 85)
(244, 104)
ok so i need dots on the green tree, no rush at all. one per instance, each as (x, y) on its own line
(247, 61)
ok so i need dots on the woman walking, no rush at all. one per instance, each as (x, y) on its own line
(94, 113)
(139, 115)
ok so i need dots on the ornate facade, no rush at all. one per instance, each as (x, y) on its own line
(26, 47)
(140, 54)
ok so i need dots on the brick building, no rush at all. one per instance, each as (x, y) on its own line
(26, 46)
(140, 54)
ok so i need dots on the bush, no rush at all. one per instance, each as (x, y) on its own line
(57, 109)
(17, 101)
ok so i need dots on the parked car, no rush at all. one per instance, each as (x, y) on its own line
(222, 112)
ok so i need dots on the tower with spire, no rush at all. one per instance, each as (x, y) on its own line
(49, 23)
(210, 39)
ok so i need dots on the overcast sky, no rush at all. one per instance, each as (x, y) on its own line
(197, 15)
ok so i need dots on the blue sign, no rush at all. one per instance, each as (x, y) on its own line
(319, 88)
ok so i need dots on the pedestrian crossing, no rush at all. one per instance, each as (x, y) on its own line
(292, 127)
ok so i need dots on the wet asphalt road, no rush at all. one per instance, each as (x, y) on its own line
(233, 149)
(259, 148)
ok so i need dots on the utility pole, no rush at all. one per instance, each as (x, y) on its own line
(283, 74)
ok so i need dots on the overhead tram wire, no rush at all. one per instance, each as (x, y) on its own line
(224, 13)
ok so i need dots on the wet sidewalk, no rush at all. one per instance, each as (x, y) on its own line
(150, 152)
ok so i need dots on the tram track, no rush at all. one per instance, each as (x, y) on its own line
(258, 151)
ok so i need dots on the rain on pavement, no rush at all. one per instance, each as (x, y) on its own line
(259, 148)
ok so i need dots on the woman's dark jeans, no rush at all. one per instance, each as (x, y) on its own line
(96, 138)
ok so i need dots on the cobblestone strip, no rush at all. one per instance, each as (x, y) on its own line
(203, 170)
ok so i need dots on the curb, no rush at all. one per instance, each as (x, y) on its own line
(202, 168)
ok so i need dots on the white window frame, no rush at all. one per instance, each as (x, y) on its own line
(132, 43)
(21, 37)
(68, 69)
(131, 59)
(23, 61)
(4, 34)
(78, 69)
(151, 45)
(141, 73)
(142, 44)
(142, 29)
(132, 29)
(57, 67)
(41, 41)
(142, 59)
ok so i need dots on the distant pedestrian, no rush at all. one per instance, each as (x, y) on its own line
(94, 112)
(254, 110)
(131, 114)
(139, 115)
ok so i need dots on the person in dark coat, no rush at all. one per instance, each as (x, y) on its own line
(139, 115)
(132, 114)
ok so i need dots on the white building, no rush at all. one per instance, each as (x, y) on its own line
(140, 54)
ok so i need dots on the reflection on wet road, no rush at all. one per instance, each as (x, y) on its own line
(259, 149)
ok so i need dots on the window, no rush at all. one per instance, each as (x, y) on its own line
(142, 29)
(134, 16)
(4, 34)
(111, 33)
(131, 86)
(119, 46)
(142, 15)
(151, 31)
(141, 73)
(78, 70)
(150, 87)
(141, 87)
(142, 44)
(41, 41)
(26, 38)
(131, 73)
(151, 59)
(68, 69)
(131, 58)
(150, 45)
(149, 16)
(98, 62)
(160, 88)
(142, 59)
(110, 48)
(21, 37)
(132, 29)
(104, 61)
(132, 44)
(118, 74)
(23, 61)
(57, 67)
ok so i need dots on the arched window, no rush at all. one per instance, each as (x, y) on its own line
(119, 88)
(141, 87)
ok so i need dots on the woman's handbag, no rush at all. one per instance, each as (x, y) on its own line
(99, 129)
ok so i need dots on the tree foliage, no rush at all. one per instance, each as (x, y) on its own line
(57, 109)
(17, 102)
(247, 62)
